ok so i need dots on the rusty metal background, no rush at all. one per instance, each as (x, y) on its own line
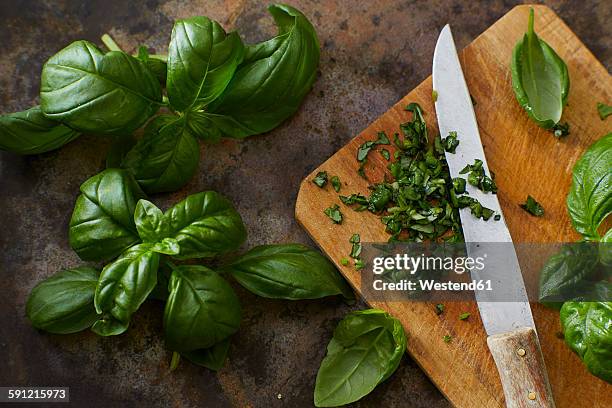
(373, 53)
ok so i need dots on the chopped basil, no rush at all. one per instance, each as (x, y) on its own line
(447, 338)
(320, 179)
(359, 264)
(439, 308)
(344, 261)
(464, 316)
(450, 142)
(533, 207)
(604, 110)
(335, 182)
(356, 249)
(434, 95)
(365, 148)
(560, 130)
(354, 199)
(334, 213)
(385, 153)
(478, 178)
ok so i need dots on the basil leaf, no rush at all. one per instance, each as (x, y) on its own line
(118, 150)
(63, 303)
(150, 222)
(202, 309)
(205, 224)
(587, 331)
(30, 132)
(533, 207)
(269, 85)
(539, 78)
(123, 286)
(166, 157)
(212, 358)
(565, 271)
(589, 200)
(95, 92)
(289, 271)
(604, 110)
(102, 223)
(160, 292)
(199, 125)
(366, 349)
(202, 59)
(157, 67)
(167, 246)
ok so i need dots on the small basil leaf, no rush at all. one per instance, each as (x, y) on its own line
(150, 222)
(202, 59)
(275, 76)
(123, 286)
(366, 349)
(290, 271)
(202, 309)
(64, 303)
(588, 332)
(166, 157)
(157, 67)
(201, 127)
(589, 200)
(564, 272)
(539, 78)
(167, 246)
(212, 358)
(95, 92)
(205, 224)
(102, 223)
(30, 132)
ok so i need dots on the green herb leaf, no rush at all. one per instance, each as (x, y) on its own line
(356, 248)
(334, 213)
(288, 271)
(604, 110)
(540, 78)
(335, 182)
(439, 308)
(30, 132)
(450, 142)
(320, 179)
(589, 200)
(202, 309)
(447, 338)
(464, 316)
(533, 207)
(102, 224)
(202, 60)
(95, 92)
(150, 222)
(365, 350)
(158, 67)
(64, 302)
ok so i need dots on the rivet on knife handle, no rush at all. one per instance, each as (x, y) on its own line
(519, 361)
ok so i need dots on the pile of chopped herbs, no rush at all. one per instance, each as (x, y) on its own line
(418, 200)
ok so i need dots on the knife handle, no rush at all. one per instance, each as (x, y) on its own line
(520, 363)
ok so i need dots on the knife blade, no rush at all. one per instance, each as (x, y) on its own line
(509, 324)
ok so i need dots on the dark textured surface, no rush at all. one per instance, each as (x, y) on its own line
(372, 54)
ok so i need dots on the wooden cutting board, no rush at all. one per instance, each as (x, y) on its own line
(526, 160)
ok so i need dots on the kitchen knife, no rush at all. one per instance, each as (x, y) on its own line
(512, 337)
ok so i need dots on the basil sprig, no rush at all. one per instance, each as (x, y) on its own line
(540, 78)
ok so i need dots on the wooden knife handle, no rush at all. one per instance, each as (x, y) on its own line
(521, 367)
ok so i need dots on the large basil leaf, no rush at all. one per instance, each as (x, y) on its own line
(202, 309)
(95, 92)
(587, 328)
(269, 85)
(202, 59)
(290, 271)
(205, 224)
(102, 223)
(123, 286)
(539, 78)
(212, 358)
(366, 349)
(563, 275)
(64, 303)
(30, 132)
(166, 157)
(589, 200)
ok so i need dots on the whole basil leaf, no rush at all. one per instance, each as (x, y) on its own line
(589, 200)
(167, 246)
(202, 309)
(366, 349)
(539, 78)
(564, 272)
(166, 157)
(289, 271)
(269, 85)
(212, 358)
(30, 132)
(64, 303)
(102, 223)
(123, 286)
(202, 59)
(95, 92)
(587, 328)
(150, 222)
(205, 224)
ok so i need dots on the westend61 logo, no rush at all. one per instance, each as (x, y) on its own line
(413, 265)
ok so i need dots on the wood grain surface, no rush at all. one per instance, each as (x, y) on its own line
(526, 160)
